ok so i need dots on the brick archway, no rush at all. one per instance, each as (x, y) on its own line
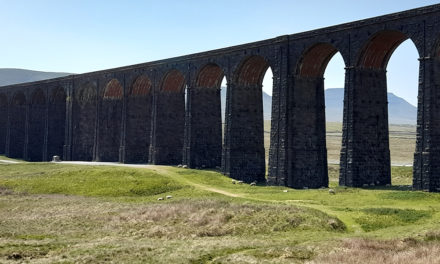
(138, 131)
(84, 119)
(204, 144)
(110, 122)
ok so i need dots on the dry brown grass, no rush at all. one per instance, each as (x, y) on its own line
(72, 229)
(366, 251)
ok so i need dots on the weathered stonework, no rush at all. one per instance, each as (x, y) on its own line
(168, 111)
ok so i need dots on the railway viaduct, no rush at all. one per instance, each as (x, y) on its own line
(168, 111)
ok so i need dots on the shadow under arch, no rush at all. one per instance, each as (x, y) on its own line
(17, 124)
(169, 119)
(56, 122)
(3, 121)
(138, 124)
(37, 125)
(244, 153)
(110, 122)
(203, 147)
(84, 122)
(367, 158)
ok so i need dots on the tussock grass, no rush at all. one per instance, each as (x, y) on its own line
(368, 251)
(212, 218)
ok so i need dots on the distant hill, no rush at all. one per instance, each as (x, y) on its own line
(400, 111)
(14, 76)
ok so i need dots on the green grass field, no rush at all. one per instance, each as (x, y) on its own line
(61, 213)
(58, 213)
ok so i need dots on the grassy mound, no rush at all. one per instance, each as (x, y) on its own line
(86, 181)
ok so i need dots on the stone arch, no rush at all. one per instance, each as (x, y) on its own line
(141, 86)
(3, 121)
(210, 76)
(84, 119)
(307, 148)
(251, 71)
(314, 60)
(367, 159)
(205, 131)
(138, 127)
(110, 122)
(169, 120)
(56, 122)
(17, 122)
(376, 53)
(173, 82)
(37, 125)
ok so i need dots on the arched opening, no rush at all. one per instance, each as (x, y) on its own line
(334, 84)
(374, 105)
(205, 144)
(308, 166)
(169, 120)
(138, 125)
(267, 88)
(3, 121)
(84, 116)
(37, 125)
(56, 122)
(402, 86)
(17, 122)
(244, 130)
(110, 120)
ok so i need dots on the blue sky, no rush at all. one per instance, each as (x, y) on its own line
(80, 36)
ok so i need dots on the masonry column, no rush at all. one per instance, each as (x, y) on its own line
(427, 155)
(8, 128)
(365, 154)
(243, 154)
(123, 123)
(26, 132)
(67, 148)
(277, 171)
(46, 127)
(169, 121)
(307, 152)
(204, 128)
(186, 158)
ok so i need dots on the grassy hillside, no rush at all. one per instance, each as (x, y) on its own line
(58, 213)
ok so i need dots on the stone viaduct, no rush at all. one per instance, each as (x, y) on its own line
(168, 111)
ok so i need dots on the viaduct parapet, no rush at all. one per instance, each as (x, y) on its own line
(168, 111)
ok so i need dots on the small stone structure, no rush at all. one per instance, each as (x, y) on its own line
(168, 111)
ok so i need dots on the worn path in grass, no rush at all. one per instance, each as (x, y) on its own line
(118, 202)
(338, 205)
